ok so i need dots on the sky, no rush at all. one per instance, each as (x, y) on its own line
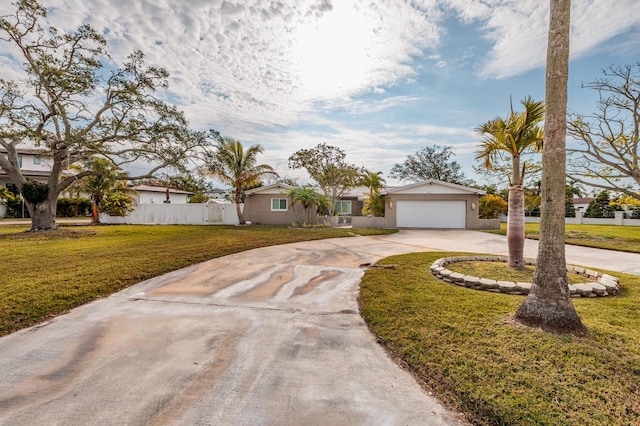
(379, 78)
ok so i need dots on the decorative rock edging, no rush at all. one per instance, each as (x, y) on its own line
(601, 285)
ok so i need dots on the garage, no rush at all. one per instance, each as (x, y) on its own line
(431, 214)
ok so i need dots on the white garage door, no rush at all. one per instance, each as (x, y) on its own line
(431, 214)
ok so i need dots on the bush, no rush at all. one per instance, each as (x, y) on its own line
(14, 203)
(73, 207)
(34, 191)
(117, 204)
(199, 198)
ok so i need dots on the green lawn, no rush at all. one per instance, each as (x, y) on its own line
(45, 274)
(464, 346)
(612, 237)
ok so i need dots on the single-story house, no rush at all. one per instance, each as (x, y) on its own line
(428, 204)
(148, 194)
(432, 204)
(581, 204)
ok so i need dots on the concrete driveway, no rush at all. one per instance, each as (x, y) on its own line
(270, 336)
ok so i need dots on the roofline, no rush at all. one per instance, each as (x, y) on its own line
(437, 182)
(273, 185)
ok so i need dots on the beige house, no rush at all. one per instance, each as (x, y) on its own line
(428, 204)
(432, 204)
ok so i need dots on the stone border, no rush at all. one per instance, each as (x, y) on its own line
(601, 285)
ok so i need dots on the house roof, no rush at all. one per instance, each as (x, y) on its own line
(270, 189)
(432, 183)
(150, 188)
(584, 200)
(33, 151)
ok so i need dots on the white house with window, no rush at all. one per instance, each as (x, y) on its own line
(32, 162)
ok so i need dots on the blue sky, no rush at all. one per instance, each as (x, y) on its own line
(380, 79)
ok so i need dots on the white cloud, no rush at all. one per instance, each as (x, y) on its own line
(518, 29)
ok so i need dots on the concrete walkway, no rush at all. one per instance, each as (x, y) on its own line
(270, 336)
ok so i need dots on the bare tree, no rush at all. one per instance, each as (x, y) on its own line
(606, 153)
(549, 305)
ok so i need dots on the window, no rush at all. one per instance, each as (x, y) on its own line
(36, 160)
(20, 161)
(278, 204)
(343, 207)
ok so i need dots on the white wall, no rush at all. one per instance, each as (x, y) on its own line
(178, 214)
(153, 197)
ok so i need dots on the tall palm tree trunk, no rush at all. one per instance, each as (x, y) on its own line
(549, 305)
(515, 226)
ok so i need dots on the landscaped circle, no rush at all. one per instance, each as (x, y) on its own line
(597, 285)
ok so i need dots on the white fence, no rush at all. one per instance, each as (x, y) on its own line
(618, 220)
(178, 214)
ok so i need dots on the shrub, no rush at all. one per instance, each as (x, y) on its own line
(34, 191)
(199, 198)
(73, 207)
(117, 204)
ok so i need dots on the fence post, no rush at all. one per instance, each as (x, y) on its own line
(619, 215)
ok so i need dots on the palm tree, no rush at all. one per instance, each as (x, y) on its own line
(516, 135)
(105, 177)
(235, 166)
(548, 304)
(307, 197)
(374, 183)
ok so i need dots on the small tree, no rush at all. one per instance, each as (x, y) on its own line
(600, 206)
(307, 197)
(117, 204)
(326, 165)
(431, 162)
(104, 178)
(519, 133)
(491, 206)
(374, 204)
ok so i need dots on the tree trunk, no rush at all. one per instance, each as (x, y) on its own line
(95, 214)
(515, 227)
(239, 213)
(549, 305)
(43, 215)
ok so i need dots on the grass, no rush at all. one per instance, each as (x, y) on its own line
(501, 271)
(610, 237)
(46, 274)
(464, 345)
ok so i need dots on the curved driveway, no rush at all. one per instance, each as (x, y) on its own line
(270, 336)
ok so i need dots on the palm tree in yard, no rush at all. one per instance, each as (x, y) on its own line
(374, 183)
(105, 179)
(307, 197)
(548, 304)
(233, 165)
(516, 135)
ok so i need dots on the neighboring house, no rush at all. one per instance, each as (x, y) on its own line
(581, 204)
(148, 194)
(428, 204)
(218, 194)
(32, 163)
